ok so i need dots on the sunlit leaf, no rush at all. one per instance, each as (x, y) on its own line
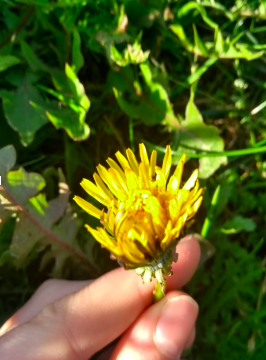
(150, 103)
(237, 224)
(7, 61)
(197, 135)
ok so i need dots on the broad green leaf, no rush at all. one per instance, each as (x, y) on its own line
(20, 114)
(34, 62)
(22, 185)
(50, 223)
(77, 57)
(237, 224)
(7, 61)
(197, 135)
(7, 160)
(30, 230)
(38, 222)
(149, 103)
(19, 185)
(70, 121)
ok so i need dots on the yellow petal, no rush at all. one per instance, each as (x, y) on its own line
(145, 162)
(104, 189)
(167, 162)
(192, 180)
(143, 173)
(132, 180)
(175, 179)
(109, 181)
(122, 160)
(131, 252)
(106, 240)
(133, 161)
(194, 208)
(115, 166)
(118, 180)
(85, 205)
(153, 164)
(92, 190)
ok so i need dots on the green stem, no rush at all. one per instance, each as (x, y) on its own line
(157, 293)
(210, 216)
(240, 152)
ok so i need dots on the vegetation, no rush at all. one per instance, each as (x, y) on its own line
(81, 79)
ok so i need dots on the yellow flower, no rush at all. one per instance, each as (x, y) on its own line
(145, 212)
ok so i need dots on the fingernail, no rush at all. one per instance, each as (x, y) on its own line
(187, 238)
(174, 325)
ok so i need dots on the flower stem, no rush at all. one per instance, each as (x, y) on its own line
(158, 294)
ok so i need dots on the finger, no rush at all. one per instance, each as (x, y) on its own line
(50, 291)
(188, 251)
(161, 332)
(92, 317)
(190, 339)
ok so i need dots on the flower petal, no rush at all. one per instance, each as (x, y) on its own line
(192, 180)
(85, 205)
(122, 160)
(133, 161)
(167, 163)
(92, 190)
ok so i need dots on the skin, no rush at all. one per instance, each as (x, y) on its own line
(72, 320)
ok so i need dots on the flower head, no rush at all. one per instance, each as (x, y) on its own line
(146, 212)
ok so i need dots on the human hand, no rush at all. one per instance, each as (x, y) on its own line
(72, 320)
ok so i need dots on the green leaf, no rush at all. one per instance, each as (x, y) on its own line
(197, 135)
(179, 31)
(228, 50)
(7, 160)
(223, 49)
(77, 89)
(237, 224)
(71, 119)
(18, 185)
(34, 62)
(20, 114)
(149, 103)
(38, 222)
(71, 122)
(200, 46)
(31, 229)
(23, 185)
(77, 57)
(7, 61)
(185, 9)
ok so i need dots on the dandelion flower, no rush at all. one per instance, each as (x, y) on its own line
(146, 212)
